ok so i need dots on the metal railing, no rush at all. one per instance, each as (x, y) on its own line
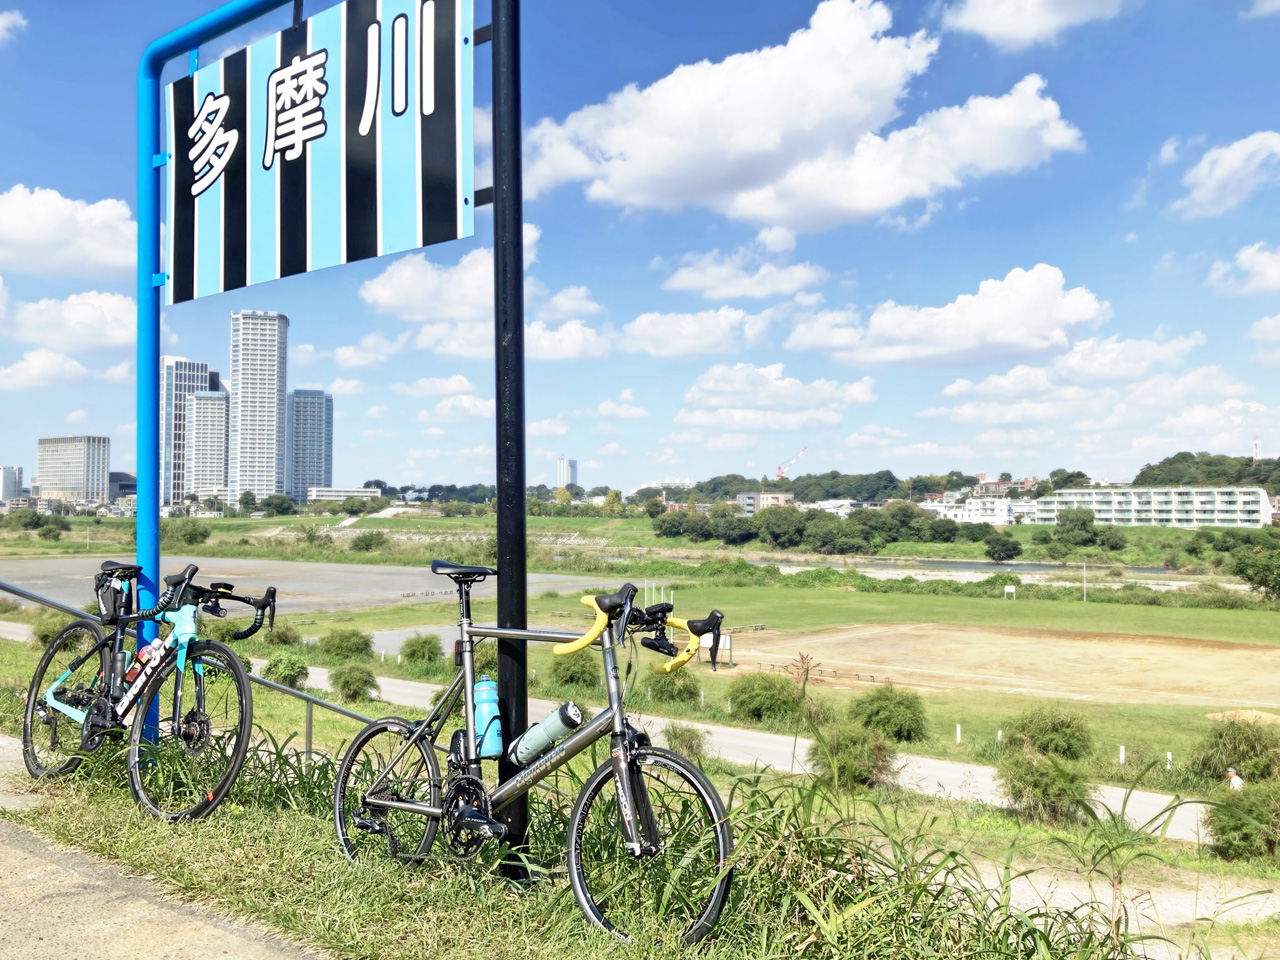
(311, 701)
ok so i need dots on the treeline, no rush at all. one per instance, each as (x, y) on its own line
(1210, 469)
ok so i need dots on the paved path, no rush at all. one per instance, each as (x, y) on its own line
(927, 775)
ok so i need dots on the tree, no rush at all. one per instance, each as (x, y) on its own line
(1066, 479)
(1006, 477)
(371, 484)
(575, 491)
(598, 492)
(279, 503)
(669, 524)
(191, 498)
(653, 506)
(1260, 569)
(352, 506)
(1075, 527)
(563, 497)
(780, 526)
(1002, 548)
(613, 503)
(248, 501)
(723, 508)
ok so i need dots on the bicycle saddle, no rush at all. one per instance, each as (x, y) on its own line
(459, 573)
(612, 603)
(125, 571)
(706, 624)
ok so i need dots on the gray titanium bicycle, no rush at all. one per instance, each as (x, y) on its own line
(649, 841)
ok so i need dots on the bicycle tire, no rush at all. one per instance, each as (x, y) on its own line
(84, 634)
(183, 774)
(689, 884)
(396, 835)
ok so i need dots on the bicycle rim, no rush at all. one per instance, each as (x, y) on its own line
(50, 739)
(184, 769)
(366, 832)
(680, 891)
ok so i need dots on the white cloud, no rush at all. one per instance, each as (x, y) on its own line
(1020, 438)
(1102, 359)
(1170, 150)
(1225, 176)
(777, 239)
(677, 334)
(572, 340)
(932, 450)
(1256, 269)
(77, 416)
(591, 464)
(11, 21)
(377, 411)
(747, 385)
(305, 355)
(1262, 8)
(737, 418)
(373, 349)
(554, 427)
(729, 276)
(622, 408)
(612, 449)
(873, 435)
(431, 431)
(1267, 329)
(43, 232)
(1017, 24)
(90, 319)
(463, 405)
(1165, 389)
(434, 386)
(1018, 411)
(41, 368)
(1028, 311)
(1130, 237)
(346, 388)
(571, 303)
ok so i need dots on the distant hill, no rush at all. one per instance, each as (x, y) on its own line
(1211, 469)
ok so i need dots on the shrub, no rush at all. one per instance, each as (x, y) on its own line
(352, 682)
(286, 668)
(1040, 788)
(688, 741)
(46, 626)
(184, 531)
(284, 634)
(9, 606)
(817, 712)
(679, 686)
(368, 541)
(763, 696)
(1001, 548)
(1252, 748)
(850, 756)
(422, 648)
(485, 659)
(346, 643)
(1042, 536)
(897, 714)
(1051, 730)
(49, 533)
(577, 670)
(213, 628)
(1246, 823)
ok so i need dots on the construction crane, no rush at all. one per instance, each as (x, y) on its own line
(782, 470)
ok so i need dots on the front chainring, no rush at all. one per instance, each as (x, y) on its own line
(99, 721)
(463, 791)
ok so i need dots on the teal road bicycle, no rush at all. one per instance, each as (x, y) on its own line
(190, 699)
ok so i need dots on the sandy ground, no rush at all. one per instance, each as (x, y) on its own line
(1111, 668)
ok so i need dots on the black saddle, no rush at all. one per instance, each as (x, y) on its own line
(122, 571)
(460, 574)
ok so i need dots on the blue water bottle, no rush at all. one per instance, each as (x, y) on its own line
(488, 723)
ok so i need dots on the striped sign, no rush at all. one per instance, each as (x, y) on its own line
(346, 138)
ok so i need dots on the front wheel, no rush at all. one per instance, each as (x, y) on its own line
(684, 885)
(184, 757)
(51, 738)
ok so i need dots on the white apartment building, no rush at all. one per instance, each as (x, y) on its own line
(342, 493)
(74, 468)
(179, 379)
(1164, 506)
(10, 483)
(256, 426)
(566, 472)
(755, 502)
(205, 467)
(997, 511)
(309, 442)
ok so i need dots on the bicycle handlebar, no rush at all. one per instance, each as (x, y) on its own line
(588, 638)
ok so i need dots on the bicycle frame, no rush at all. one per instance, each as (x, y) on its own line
(611, 720)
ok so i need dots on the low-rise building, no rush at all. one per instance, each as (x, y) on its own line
(342, 493)
(1163, 506)
(997, 511)
(842, 508)
(755, 502)
(988, 488)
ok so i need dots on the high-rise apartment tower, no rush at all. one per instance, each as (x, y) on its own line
(206, 447)
(310, 442)
(10, 482)
(256, 448)
(74, 468)
(566, 472)
(179, 378)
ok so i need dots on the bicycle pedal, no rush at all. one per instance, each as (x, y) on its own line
(472, 820)
(368, 825)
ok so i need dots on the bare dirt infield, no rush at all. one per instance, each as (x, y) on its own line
(1104, 667)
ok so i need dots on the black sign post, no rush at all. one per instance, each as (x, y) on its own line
(508, 289)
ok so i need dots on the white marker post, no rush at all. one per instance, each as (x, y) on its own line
(1122, 754)
(1168, 760)
(957, 733)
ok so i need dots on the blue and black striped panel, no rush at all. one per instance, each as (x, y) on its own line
(347, 138)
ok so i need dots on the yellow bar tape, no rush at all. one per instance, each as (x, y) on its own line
(588, 638)
(678, 661)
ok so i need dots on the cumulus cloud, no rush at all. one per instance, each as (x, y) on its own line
(90, 319)
(571, 303)
(1226, 176)
(41, 368)
(787, 135)
(346, 388)
(1029, 311)
(434, 386)
(1256, 269)
(377, 411)
(373, 349)
(572, 340)
(1262, 8)
(1017, 24)
(733, 418)
(932, 450)
(77, 416)
(463, 405)
(623, 408)
(745, 384)
(727, 329)
(873, 435)
(305, 355)
(43, 232)
(611, 449)
(11, 21)
(717, 276)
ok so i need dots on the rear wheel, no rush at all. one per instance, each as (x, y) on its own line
(50, 738)
(683, 886)
(184, 769)
(368, 831)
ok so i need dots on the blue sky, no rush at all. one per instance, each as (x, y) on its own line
(972, 234)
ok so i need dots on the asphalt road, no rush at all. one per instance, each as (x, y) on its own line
(302, 587)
